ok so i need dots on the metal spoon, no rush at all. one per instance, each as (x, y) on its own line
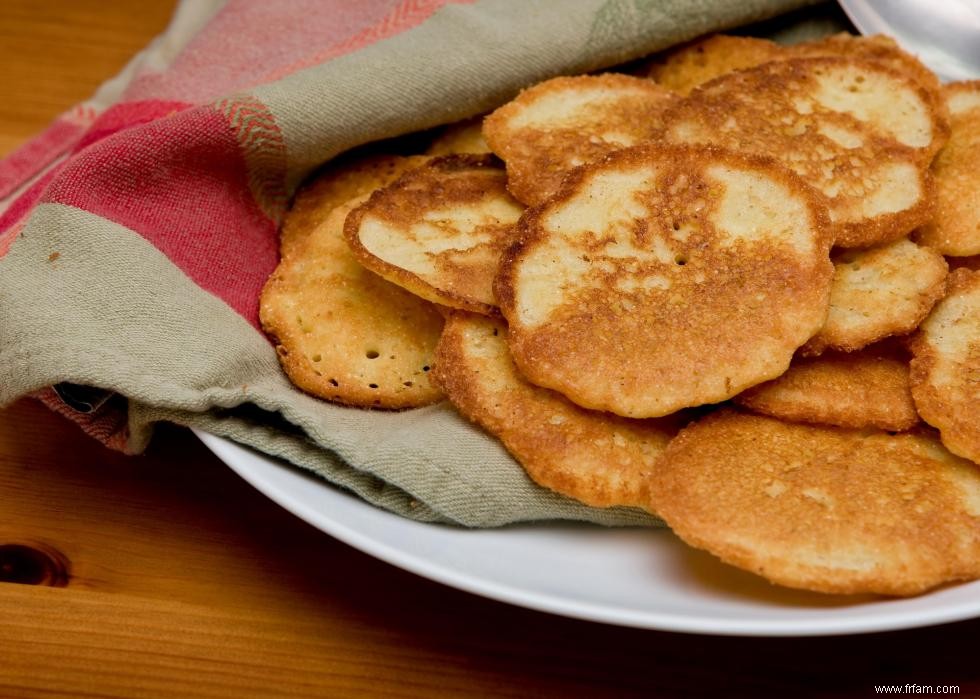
(944, 34)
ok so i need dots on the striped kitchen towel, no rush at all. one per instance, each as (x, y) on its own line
(137, 231)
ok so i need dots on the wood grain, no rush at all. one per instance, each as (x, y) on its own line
(183, 581)
(55, 54)
(186, 582)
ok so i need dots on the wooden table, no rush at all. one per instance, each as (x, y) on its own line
(166, 575)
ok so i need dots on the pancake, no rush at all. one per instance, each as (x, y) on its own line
(946, 366)
(867, 388)
(439, 230)
(880, 49)
(462, 137)
(685, 68)
(343, 179)
(666, 277)
(875, 295)
(344, 334)
(559, 124)
(859, 133)
(822, 508)
(597, 458)
(955, 230)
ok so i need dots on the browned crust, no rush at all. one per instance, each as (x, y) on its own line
(693, 64)
(601, 339)
(321, 289)
(822, 508)
(597, 458)
(950, 90)
(461, 137)
(930, 98)
(955, 229)
(885, 51)
(538, 158)
(877, 305)
(343, 179)
(742, 110)
(868, 388)
(425, 186)
(685, 67)
(885, 228)
(952, 408)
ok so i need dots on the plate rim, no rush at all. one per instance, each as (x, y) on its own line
(224, 449)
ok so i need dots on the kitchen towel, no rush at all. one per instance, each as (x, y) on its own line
(138, 230)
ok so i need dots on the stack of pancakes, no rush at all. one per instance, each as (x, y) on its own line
(718, 289)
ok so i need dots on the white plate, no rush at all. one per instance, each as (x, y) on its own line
(632, 577)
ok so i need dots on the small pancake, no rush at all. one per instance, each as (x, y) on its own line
(343, 333)
(867, 388)
(559, 124)
(597, 458)
(685, 68)
(666, 277)
(880, 49)
(946, 366)
(462, 137)
(876, 294)
(439, 231)
(856, 131)
(342, 180)
(962, 97)
(955, 230)
(822, 508)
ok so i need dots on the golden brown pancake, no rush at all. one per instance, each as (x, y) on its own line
(962, 97)
(878, 292)
(880, 49)
(597, 458)
(822, 508)
(462, 137)
(955, 230)
(685, 68)
(867, 388)
(439, 230)
(559, 124)
(946, 366)
(342, 180)
(856, 131)
(343, 333)
(666, 277)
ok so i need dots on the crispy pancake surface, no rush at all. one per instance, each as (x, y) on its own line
(343, 333)
(822, 508)
(946, 366)
(878, 292)
(439, 231)
(597, 458)
(856, 131)
(867, 388)
(666, 277)
(559, 124)
(690, 65)
(956, 227)
(685, 68)
(462, 137)
(343, 180)
(880, 49)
